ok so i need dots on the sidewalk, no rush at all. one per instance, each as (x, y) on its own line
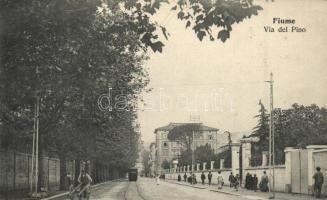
(23, 195)
(248, 194)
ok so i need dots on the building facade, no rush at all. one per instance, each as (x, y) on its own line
(170, 150)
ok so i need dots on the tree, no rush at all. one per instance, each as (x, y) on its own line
(204, 153)
(146, 162)
(184, 133)
(64, 57)
(165, 164)
(299, 126)
(67, 52)
(261, 131)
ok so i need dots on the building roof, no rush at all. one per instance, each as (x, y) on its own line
(172, 125)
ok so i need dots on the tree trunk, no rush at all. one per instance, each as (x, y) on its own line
(77, 171)
(63, 172)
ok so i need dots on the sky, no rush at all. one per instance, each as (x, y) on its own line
(222, 83)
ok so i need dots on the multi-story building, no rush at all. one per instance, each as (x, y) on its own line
(169, 150)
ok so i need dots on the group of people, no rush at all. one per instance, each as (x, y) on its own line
(234, 181)
(190, 179)
(251, 182)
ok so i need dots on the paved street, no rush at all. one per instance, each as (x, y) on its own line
(146, 189)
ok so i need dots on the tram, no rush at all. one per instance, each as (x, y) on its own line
(132, 174)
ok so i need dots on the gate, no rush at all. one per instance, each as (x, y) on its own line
(320, 160)
(299, 171)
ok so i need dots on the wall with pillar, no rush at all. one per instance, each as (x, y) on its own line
(224, 172)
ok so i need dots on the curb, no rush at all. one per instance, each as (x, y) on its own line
(187, 185)
(229, 193)
(67, 193)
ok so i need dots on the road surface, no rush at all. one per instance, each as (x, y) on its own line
(147, 189)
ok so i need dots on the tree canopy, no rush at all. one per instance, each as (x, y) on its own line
(184, 133)
(67, 53)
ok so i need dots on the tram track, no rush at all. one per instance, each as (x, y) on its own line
(133, 192)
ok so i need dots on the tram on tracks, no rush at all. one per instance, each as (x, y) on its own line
(132, 174)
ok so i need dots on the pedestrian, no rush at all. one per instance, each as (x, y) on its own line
(203, 177)
(194, 181)
(247, 178)
(255, 182)
(264, 182)
(179, 178)
(231, 180)
(189, 179)
(209, 178)
(220, 180)
(185, 177)
(250, 182)
(319, 181)
(236, 182)
(158, 179)
(85, 181)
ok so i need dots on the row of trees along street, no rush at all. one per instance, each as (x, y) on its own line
(66, 53)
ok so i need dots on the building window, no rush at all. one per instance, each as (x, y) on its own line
(210, 137)
(165, 145)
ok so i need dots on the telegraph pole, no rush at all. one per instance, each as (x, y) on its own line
(271, 139)
(37, 145)
(33, 151)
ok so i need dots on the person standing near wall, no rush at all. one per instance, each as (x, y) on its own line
(255, 182)
(231, 180)
(203, 177)
(220, 180)
(209, 178)
(264, 182)
(185, 177)
(319, 181)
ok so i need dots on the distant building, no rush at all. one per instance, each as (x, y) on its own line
(169, 150)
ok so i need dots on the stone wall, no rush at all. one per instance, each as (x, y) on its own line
(15, 171)
(280, 180)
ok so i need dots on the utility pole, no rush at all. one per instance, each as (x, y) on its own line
(33, 151)
(37, 145)
(271, 139)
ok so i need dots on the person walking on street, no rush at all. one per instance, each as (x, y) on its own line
(189, 179)
(220, 180)
(255, 182)
(85, 189)
(236, 182)
(194, 181)
(231, 180)
(319, 181)
(203, 177)
(209, 178)
(264, 182)
(179, 178)
(158, 179)
(185, 177)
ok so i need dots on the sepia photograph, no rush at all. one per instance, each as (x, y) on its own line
(163, 99)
